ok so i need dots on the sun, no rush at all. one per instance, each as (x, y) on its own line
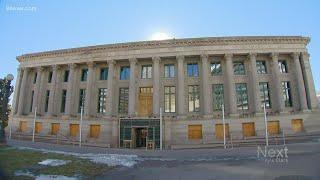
(160, 36)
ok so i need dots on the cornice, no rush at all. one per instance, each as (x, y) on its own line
(206, 41)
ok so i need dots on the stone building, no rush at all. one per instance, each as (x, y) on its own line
(122, 88)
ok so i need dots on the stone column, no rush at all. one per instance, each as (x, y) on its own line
(109, 103)
(17, 91)
(231, 105)
(180, 86)
(156, 85)
(57, 91)
(300, 82)
(207, 110)
(22, 93)
(309, 83)
(276, 84)
(89, 90)
(254, 85)
(37, 92)
(70, 91)
(132, 87)
(52, 99)
(115, 133)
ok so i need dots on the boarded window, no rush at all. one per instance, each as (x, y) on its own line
(219, 130)
(23, 126)
(195, 131)
(273, 127)
(38, 127)
(248, 129)
(297, 125)
(55, 128)
(74, 130)
(94, 131)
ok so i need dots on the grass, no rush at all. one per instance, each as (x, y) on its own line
(12, 159)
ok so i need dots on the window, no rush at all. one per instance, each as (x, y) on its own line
(146, 72)
(47, 101)
(63, 101)
(218, 98)
(35, 78)
(125, 73)
(286, 93)
(265, 94)
(261, 67)
(50, 77)
(123, 100)
(169, 99)
(82, 98)
(283, 66)
(84, 75)
(216, 68)
(31, 104)
(193, 70)
(238, 68)
(194, 98)
(66, 76)
(102, 96)
(103, 73)
(242, 96)
(169, 71)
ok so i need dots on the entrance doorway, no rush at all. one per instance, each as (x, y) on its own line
(139, 137)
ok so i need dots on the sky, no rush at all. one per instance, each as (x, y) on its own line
(28, 26)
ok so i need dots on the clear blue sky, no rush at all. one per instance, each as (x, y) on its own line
(64, 23)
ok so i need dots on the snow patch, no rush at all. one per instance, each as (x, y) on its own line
(54, 177)
(53, 162)
(109, 159)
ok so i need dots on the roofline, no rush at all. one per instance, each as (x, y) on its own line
(171, 42)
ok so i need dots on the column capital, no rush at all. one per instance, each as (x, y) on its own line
(113, 62)
(23, 69)
(295, 55)
(72, 66)
(228, 56)
(252, 55)
(133, 60)
(305, 54)
(91, 64)
(274, 55)
(156, 59)
(204, 56)
(180, 58)
(55, 67)
(39, 69)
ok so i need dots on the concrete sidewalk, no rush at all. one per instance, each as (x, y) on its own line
(185, 154)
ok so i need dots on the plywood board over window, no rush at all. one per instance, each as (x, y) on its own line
(195, 131)
(94, 131)
(219, 130)
(248, 129)
(273, 127)
(38, 127)
(23, 126)
(74, 130)
(146, 101)
(55, 128)
(297, 125)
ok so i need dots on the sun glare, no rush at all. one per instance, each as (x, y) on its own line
(160, 36)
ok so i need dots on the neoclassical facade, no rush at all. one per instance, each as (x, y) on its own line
(123, 87)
